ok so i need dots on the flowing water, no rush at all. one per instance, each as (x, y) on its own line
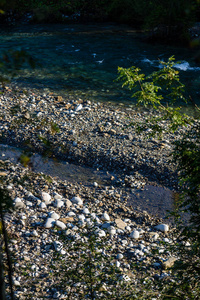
(82, 60)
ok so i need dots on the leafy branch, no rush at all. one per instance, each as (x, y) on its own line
(159, 90)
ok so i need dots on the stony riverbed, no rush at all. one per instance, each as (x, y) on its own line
(51, 215)
(93, 134)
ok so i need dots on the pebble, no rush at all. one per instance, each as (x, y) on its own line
(135, 234)
(54, 215)
(60, 224)
(19, 205)
(46, 197)
(42, 205)
(86, 211)
(169, 262)
(120, 224)
(162, 227)
(77, 200)
(105, 217)
(49, 223)
(59, 203)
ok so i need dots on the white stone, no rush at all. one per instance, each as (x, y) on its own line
(54, 215)
(49, 223)
(34, 233)
(86, 211)
(16, 283)
(100, 233)
(124, 242)
(59, 203)
(75, 228)
(9, 187)
(95, 184)
(57, 196)
(39, 114)
(130, 244)
(71, 214)
(105, 217)
(128, 228)
(46, 197)
(162, 227)
(166, 240)
(79, 107)
(16, 200)
(60, 224)
(120, 231)
(135, 234)
(42, 205)
(81, 217)
(77, 200)
(111, 230)
(118, 264)
(20, 205)
(93, 216)
(68, 203)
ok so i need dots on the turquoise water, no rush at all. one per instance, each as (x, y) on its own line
(80, 61)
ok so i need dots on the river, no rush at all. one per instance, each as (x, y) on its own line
(82, 60)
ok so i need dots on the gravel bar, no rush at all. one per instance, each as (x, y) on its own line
(51, 215)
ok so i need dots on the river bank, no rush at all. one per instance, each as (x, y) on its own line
(49, 233)
(46, 208)
(91, 134)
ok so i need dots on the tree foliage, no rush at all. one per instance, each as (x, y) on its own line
(152, 91)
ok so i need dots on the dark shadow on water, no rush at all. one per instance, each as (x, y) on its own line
(153, 199)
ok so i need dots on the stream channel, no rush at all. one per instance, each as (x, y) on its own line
(153, 199)
(80, 61)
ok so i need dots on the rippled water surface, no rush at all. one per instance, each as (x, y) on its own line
(82, 60)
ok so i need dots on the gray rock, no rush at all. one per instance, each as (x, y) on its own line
(119, 256)
(19, 205)
(57, 245)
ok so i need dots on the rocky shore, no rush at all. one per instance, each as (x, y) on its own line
(50, 216)
(92, 134)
